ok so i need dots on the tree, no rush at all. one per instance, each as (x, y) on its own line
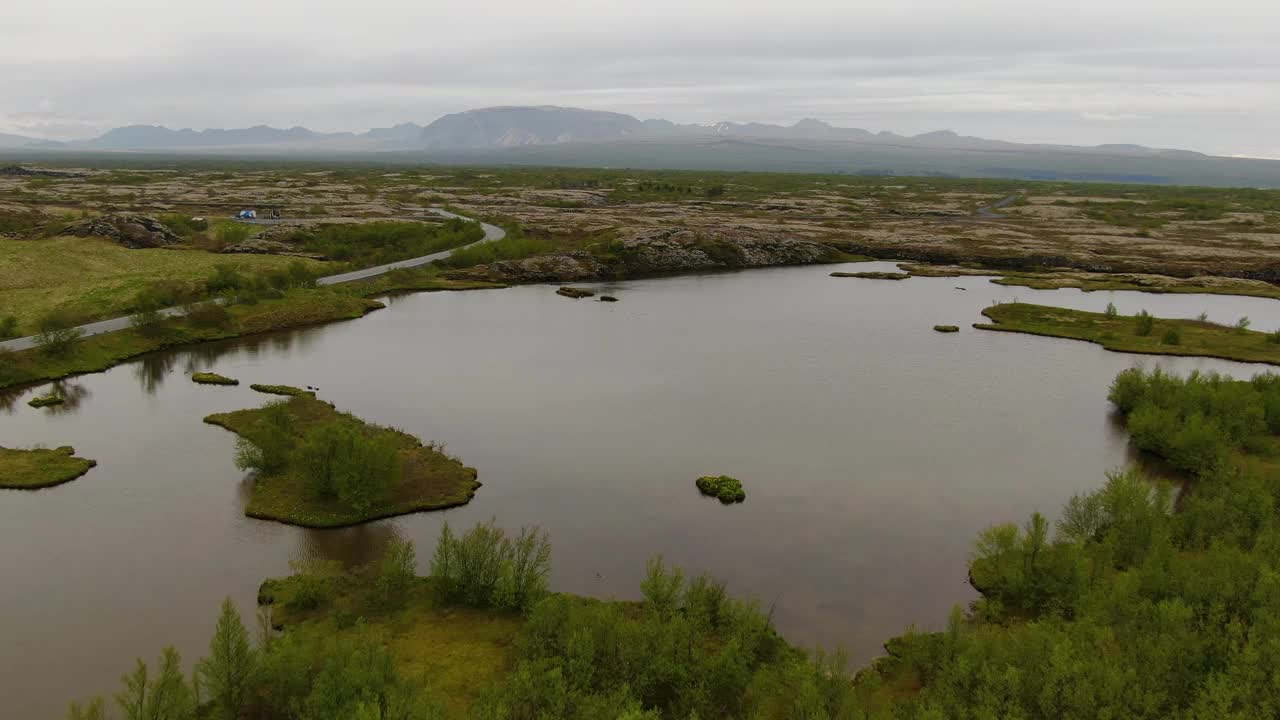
(167, 697)
(148, 322)
(1146, 323)
(95, 710)
(396, 572)
(57, 333)
(228, 671)
(1112, 313)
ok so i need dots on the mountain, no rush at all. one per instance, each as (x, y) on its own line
(550, 135)
(140, 137)
(9, 142)
(514, 126)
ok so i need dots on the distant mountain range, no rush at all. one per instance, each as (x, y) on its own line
(569, 136)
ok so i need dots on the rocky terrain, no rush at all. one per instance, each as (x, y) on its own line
(591, 224)
(128, 229)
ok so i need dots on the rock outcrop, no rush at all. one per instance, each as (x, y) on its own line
(265, 246)
(657, 252)
(127, 229)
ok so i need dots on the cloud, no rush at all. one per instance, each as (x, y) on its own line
(1091, 71)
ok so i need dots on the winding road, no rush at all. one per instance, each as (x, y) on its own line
(491, 233)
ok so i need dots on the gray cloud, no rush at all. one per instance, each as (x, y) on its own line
(1092, 71)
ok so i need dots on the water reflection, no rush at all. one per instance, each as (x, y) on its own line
(151, 370)
(74, 394)
(9, 399)
(353, 546)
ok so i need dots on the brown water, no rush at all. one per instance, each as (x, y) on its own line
(872, 450)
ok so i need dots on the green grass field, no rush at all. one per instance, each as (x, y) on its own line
(96, 279)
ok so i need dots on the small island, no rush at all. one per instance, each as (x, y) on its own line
(575, 293)
(1141, 333)
(946, 328)
(47, 400)
(317, 467)
(873, 275)
(722, 487)
(287, 390)
(208, 378)
(40, 468)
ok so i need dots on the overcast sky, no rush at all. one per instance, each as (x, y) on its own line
(1197, 75)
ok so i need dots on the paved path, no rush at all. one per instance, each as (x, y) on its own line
(491, 232)
(988, 212)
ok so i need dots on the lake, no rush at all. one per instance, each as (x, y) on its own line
(872, 450)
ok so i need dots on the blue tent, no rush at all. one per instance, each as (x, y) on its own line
(247, 215)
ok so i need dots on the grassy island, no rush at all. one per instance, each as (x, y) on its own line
(726, 489)
(1137, 334)
(873, 275)
(318, 467)
(287, 390)
(40, 468)
(946, 328)
(575, 293)
(47, 400)
(207, 378)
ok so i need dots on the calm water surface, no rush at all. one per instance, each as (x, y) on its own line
(872, 450)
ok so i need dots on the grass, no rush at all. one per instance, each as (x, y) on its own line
(207, 378)
(722, 487)
(459, 651)
(1195, 337)
(47, 400)
(287, 390)
(430, 480)
(873, 275)
(94, 279)
(1218, 285)
(40, 468)
(296, 309)
(946, 328)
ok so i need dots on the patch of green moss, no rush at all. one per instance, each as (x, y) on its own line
(46, 400)
(207, 378)
(722, 487)
(40, 468)
(288, 390)
(946, 328)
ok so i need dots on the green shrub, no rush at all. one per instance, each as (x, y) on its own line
(208, 314)
(8, 327)
(1111, 312)
(342, 463)
(726, 489)
(485, 568)
(1242, 325)
(1172, 336)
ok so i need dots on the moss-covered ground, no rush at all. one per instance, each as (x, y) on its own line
(40, 468)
